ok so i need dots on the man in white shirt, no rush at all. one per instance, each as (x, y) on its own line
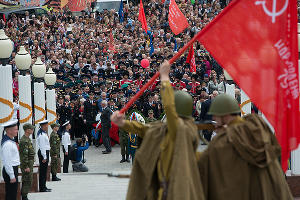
(43, 154)
(10, 158)
(66, 143)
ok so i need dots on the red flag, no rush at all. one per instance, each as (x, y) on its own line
(258, 48)
(177, 20)
(142, 17)
(76, 5)
(111, 42)
(191, 59)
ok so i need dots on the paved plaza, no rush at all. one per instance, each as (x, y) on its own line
(91, 185)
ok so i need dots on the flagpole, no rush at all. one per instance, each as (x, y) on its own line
(151, 81)
(180, 52)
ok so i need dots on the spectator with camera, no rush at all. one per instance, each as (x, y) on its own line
(77, 155)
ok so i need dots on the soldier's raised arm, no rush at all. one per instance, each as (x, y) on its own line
(168, 99)
(129, 126)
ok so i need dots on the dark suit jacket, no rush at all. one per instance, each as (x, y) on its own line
(90, 111)
(105, 118)
(204, 110)
(64, 113)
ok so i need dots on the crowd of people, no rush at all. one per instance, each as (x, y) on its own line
(97, 59)
(89, 71)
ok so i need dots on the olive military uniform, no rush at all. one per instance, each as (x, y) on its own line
(27, 159)
(149, 120)
(54, 152)
(123, 136)
(244, 154)
(155, 174)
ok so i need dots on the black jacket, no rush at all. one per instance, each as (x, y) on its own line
(90, 111)
(204, 110)
(105, 118)
(64, 113)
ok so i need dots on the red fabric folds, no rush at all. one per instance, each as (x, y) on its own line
(256, 42)
(191, 59)
(177, 20)
(142, 17)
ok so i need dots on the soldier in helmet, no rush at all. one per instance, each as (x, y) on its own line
(241, 162)
(55, 151)
(165, 165)
(27, 159)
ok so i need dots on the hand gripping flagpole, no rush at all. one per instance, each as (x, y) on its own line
(151, 81)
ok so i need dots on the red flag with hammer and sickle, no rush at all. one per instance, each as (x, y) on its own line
(255, 41)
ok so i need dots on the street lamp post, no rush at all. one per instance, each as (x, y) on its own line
(39, 70)
(23, 62)
(50, 79)
(6, 91)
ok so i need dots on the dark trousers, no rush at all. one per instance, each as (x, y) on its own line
(207, 135)
(106, 138)
(66, 161)
(10, 188)
(43, 170)
(89, 128)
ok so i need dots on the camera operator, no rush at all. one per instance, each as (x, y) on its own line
(81, 145)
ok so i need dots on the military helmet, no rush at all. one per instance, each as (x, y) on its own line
(54, 125)
(28, 126)
(224, 104)
(183, 103)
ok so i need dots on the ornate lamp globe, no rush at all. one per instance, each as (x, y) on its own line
(50, 77)
(6, 46)
(23, 59)
(39, 69)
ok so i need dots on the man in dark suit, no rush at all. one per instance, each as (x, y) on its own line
(204, 116)
(106, 125)
(150, 105)
(204, 110)
(89, 114)
(63, 111)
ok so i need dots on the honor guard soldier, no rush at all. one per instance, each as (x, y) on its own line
(10, 159)
(123, 135)
(244, 154)
(27, 154)
(43, 154)
(66, 144)
(165, 166)
(55, 151)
